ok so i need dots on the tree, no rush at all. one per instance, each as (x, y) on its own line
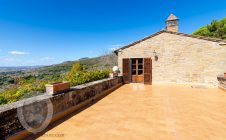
(78, 75)
(216, 29)
(76, 67)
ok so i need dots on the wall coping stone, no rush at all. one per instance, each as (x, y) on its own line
(46, 96)
(62, 104)
(90, 84)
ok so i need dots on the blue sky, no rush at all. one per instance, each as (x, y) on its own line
(43, 32)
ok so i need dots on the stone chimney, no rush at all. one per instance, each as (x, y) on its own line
(172, 23)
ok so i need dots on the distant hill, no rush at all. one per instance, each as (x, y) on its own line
(8, 74)
(101, 62)
(84, 58)
(216, 29)
(19, 68)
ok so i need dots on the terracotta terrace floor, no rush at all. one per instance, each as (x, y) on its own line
(145, 112)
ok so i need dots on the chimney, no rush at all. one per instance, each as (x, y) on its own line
(172, 23)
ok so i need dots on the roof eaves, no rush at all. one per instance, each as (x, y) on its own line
(141, 40)
(220, 41)
(198, 37)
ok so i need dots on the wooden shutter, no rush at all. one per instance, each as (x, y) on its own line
(147, 71)
(126, 70)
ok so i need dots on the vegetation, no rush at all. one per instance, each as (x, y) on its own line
(216, 29)
(53, 72)
(78, 75)
(15, 85)
(23, 88)
(31, 86)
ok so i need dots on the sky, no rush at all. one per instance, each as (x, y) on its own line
(45, 32)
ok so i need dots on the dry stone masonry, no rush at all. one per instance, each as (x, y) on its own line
(35, 108)
(181, 58)
(222, 82)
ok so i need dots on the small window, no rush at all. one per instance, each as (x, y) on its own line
(171, 23)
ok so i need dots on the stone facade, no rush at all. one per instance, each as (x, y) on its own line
(62, 105)
(181, 59)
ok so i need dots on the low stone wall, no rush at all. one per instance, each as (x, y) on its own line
(222, 82)
(34, 109)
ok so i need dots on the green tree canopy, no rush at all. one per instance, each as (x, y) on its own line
(216, 29)
(78, 75)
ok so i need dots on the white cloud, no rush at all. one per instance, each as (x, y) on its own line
(17, 53)
(47, 58)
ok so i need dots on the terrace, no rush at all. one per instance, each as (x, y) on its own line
(137, 111)
(107, 109)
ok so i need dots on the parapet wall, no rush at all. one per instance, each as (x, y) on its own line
(34, 109)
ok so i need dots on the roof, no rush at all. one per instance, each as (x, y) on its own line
(175, 33)
(172, 17)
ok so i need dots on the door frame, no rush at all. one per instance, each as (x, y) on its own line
(127, 70)
(135, 78)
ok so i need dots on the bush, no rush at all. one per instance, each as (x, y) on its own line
(85, 77)
(11, 95)
(3, 100)
(78, 75)
(30, 86)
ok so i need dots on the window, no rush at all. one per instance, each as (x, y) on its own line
(137, 66)
(171, 23)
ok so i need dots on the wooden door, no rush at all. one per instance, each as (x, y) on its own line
(126, 70)
(147, 71)
(137, 70)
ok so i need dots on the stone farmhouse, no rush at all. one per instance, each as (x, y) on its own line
(172, 57)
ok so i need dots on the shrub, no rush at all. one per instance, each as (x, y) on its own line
(10, 95)
(30, 86)
(3, 100)
(78, 75)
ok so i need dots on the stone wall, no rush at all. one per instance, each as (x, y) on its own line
(62, 104)
(181, 59)
(222, 82)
